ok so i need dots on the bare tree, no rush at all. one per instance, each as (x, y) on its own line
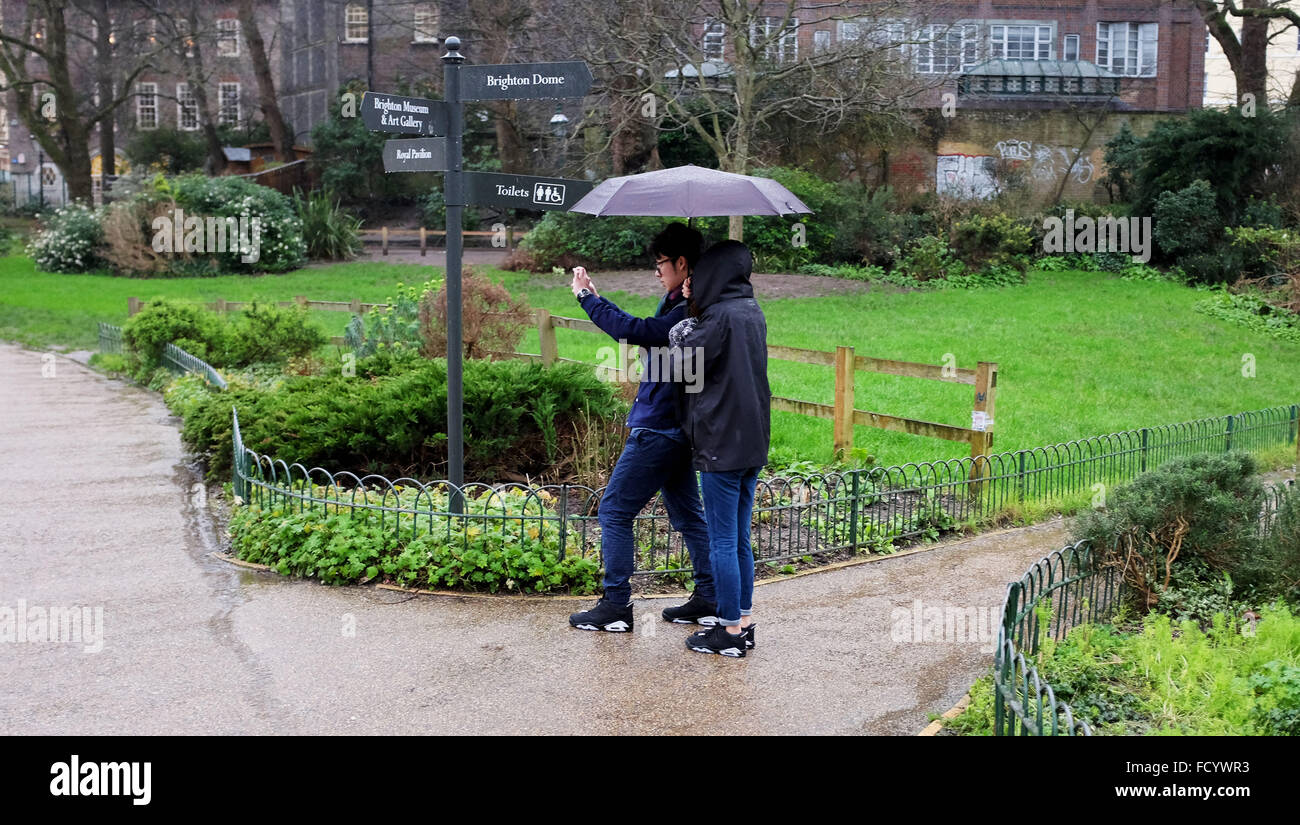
(726, 70)
(49, 59)
(1248, 54)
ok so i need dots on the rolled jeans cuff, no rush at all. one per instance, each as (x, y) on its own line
(749, 612)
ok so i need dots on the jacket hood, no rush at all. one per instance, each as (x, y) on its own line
(722, 273)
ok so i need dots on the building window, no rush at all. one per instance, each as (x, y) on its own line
(945, 49)
(781, 44)
(187, 110)
(821, 40)
(4, 126)
(1127, 49)
(229, 100)
(880, 33)
(715, 39)
(1020, 42)
(1071, 51)
(228, 37)
(426, 24)
(146, 105)
(356, 23)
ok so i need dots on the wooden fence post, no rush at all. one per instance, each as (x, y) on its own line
(300, 300)
(383, 233)
(132, 306)
(981, 442)
(546, 337)
(510, 237)
(221, 306)
(423, 242)
(843, 430)
(356, 306)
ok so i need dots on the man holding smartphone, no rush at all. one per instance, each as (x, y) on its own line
(657, 456)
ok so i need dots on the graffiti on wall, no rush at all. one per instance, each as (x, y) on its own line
(966, 176)
(1047, 163)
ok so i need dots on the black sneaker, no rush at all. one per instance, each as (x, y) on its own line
(717, 640)
(604, 616)
(749, 636)
(695, 611)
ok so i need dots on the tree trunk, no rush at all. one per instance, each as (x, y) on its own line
(510, 146)
(281, 138)
(104, 85)
(194, 77)
(1253, 77)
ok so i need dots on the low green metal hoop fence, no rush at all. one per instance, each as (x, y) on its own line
(1078, 590)
(794, 516)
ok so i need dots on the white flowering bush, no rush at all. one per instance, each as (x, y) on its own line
(68, 241)
(280, 244)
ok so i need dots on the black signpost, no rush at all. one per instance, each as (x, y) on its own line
(524, 191)
(440, 125)
(416, 155)
(406, 115)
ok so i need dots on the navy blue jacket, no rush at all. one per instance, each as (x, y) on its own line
(656, 404)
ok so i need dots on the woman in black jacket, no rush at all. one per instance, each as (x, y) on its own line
(728, 421)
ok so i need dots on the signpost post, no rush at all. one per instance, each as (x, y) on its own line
(440, 125)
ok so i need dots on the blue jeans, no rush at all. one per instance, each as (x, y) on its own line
(652, 461)
(728, 505)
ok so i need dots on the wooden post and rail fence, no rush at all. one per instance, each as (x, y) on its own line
(842, 413)
(383, 234)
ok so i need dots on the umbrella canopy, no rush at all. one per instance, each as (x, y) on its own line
(689, 192)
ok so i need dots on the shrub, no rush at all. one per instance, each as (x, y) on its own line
(519, 417)
(997, 239)
(1200, 512)
(1251, 311)
(930, 258)
(394, 327)
(7, 238)
(492, 321)
(877, 227)
(1222, 265)
(1186, 221)
(166, 150)
(1234, 154)
(160, 323)
(328, 231)
(68, 240)
(279, 246)
(567, 239)
(266, 333)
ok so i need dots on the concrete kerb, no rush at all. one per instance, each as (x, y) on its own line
(951, 713)
(458, 594)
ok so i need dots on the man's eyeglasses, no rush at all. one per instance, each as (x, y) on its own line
(661, 262)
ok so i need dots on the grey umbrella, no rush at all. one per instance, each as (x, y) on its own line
(689, 192)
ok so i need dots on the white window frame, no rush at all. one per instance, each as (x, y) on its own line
(223, 110)
(890, 32)
(1141, 45)
(934, 51)
(186, 107)
(1065, 47)
(821, 40)
(1044, 37)
(714, 41)
(354, 16)
(228, 37)
(425, 25)
(146, 92)
(782, 42)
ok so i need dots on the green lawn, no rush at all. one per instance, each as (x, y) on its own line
(1079, 354)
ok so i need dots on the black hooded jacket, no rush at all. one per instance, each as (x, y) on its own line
(727, 403)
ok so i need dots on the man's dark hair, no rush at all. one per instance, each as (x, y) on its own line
(677, 240)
